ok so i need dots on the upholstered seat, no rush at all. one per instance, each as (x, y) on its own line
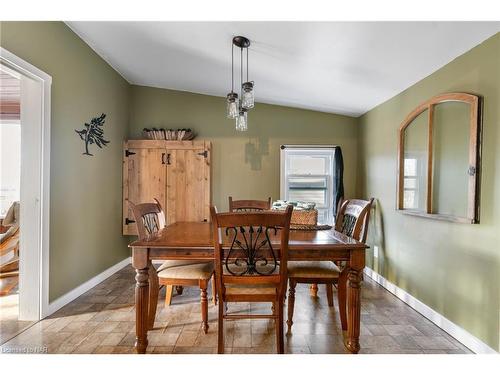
(310, 269)
(236, 289)
(199, 271)
(176, 263)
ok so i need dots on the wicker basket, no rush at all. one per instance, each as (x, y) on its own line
(304, 217)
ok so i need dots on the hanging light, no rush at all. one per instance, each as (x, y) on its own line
(242, 121)
(232, 105)
(247, 93)
(247, 98)
(236, 108)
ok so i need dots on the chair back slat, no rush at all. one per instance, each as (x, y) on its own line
(249, 205)
(352, 218)
(149, 219)
(244, 251)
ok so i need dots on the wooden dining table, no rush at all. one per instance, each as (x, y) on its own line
(194, 241)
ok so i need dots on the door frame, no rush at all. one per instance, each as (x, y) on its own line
(35, 275)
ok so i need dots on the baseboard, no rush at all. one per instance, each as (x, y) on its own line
(78, 291)
(460, 334)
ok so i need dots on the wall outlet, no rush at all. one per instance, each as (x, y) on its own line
(375, 251)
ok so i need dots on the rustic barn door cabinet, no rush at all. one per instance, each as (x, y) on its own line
(177, 173)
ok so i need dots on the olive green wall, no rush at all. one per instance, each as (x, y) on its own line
(245, 165)
(85, 191)
(453, 268)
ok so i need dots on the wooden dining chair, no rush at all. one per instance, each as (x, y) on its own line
(150, 219)
(352, 220)
(249, 205)
(247, 267)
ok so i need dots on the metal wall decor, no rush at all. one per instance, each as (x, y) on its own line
(251, 251)
(237, 108)
(93, 133)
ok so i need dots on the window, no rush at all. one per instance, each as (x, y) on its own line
(307, 175)
(10, 164)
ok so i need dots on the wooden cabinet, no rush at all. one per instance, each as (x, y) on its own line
(177, 173)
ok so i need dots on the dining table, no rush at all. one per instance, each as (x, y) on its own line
(194, 241)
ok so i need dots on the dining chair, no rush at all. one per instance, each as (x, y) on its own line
(150, 219)
(249, 205)
(9, 250)
(248, 267)
(352, 220)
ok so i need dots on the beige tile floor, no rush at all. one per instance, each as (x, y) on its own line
(102, 321)
(10, 326)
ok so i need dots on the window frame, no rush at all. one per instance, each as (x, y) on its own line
(330, 177)
(474, 101)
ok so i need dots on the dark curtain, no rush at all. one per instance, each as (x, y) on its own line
(338, 179)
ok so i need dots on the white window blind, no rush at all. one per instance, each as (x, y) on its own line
(307, 175)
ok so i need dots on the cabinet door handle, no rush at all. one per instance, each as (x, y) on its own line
(168, 159)
(163, 158)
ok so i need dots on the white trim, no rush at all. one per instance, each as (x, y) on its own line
(311, 146)
(41, 220)
(460, 334)
(79, 290)
(324, 151)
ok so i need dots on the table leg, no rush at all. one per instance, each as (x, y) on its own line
(353, 310)
(342, 297)
(141, 265)
(313, 290)
(153, 295)
(356, 266)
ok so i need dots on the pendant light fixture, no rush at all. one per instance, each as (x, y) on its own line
(237, 108)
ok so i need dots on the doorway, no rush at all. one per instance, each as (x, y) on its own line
(24, 193)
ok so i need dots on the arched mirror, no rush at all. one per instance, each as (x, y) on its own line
(439, 159)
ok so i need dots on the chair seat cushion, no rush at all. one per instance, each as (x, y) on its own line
(244, 289)
(175, 263)
(324, 269)
(188, 271)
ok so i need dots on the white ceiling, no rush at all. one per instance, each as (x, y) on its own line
(339, 67)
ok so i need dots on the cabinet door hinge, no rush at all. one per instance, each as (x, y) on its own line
(204, 154)
(128, 153)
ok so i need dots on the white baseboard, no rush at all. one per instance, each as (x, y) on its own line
(460, 334)
(78, 291)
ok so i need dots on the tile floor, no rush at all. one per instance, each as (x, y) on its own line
(102, 321)
(10, 326)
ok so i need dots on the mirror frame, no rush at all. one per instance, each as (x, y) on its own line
(474, 157)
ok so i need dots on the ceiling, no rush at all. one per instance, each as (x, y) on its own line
(338, 67)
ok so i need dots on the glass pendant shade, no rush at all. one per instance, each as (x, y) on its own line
(237, 107)
(232, 105)
(241, 122)
(247, 97)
